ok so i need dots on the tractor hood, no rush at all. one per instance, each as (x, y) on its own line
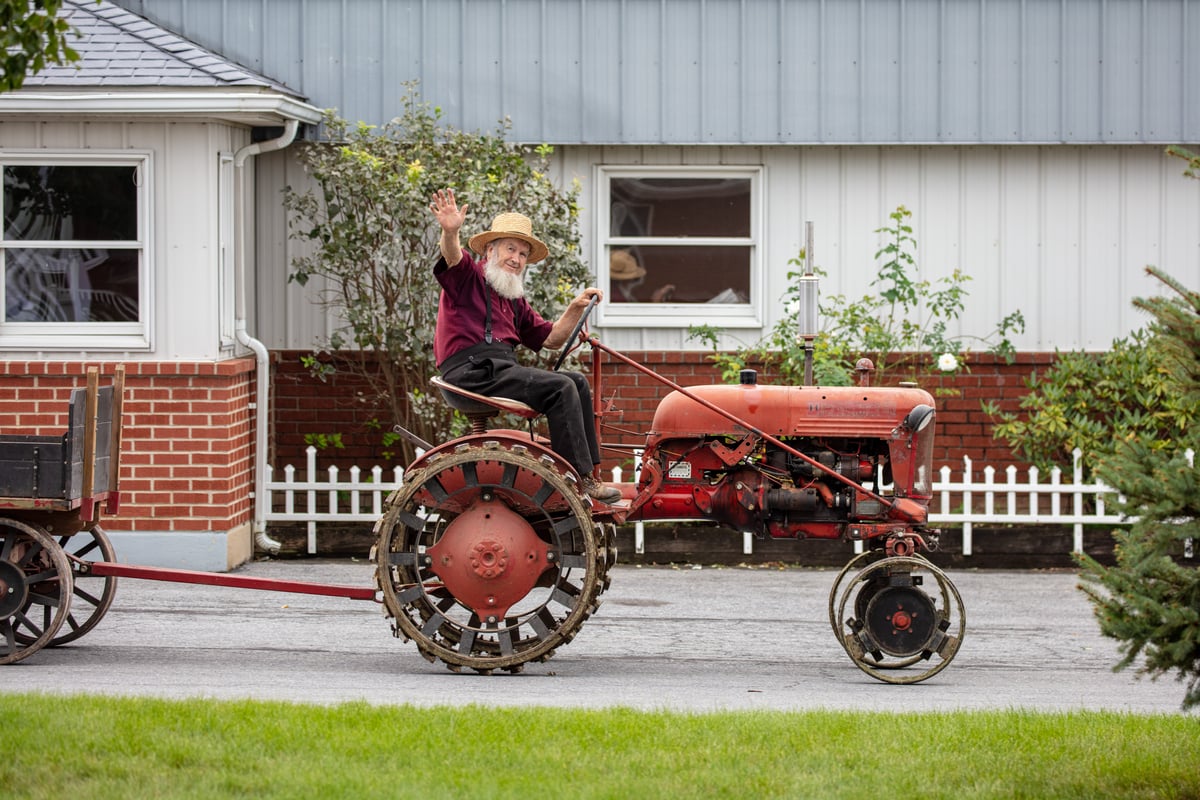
(788, 410)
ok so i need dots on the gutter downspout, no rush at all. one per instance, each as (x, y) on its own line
(263, 372)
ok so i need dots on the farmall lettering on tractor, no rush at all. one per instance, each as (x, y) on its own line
(489, 556)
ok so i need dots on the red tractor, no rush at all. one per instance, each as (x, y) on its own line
(489, 556)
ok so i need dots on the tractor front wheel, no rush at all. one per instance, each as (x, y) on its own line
(895, 631)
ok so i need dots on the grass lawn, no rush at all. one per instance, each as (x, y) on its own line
(58, 747)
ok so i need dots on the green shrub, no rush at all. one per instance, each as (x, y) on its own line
(1089, 400)
(901, 324)
(373, 242)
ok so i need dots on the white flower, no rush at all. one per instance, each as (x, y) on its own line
(947, 362)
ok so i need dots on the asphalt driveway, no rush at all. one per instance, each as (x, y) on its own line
(665, 637)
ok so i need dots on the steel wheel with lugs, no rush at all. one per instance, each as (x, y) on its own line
(502, 566)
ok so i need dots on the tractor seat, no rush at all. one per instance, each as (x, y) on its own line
(479, 408)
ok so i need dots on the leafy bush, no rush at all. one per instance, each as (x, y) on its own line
(1086, 400)
(901, 324)
(374, 242)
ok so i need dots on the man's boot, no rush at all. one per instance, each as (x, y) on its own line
(598, 491)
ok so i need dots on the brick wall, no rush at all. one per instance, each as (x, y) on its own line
(187, 461)
(303, 405)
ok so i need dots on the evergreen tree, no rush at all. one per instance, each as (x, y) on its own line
(1150, 598)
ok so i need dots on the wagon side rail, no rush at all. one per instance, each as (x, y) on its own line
(79, 470)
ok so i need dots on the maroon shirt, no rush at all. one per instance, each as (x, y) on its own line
(462, 309)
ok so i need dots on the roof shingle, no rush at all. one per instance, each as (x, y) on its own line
(119, 48)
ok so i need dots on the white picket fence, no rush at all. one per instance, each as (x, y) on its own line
(313, 498)
(965, 500)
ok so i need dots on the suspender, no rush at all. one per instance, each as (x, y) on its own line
(487, 320)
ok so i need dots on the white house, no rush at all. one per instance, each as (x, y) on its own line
(129, 212)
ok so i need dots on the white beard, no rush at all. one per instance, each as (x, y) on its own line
(508, 285)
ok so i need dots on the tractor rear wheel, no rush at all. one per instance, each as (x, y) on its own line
(488, 557)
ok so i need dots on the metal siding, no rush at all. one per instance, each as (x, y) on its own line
(564, 85)
(362, 44)
(1121, 72)
(880, 120)
(799, 78)
(322, 52)
(602, 98)
(1083, 67)
(1103, 230)
(445, 47)
(681, 106)
(484, 74)
(762, 54)
(991, 292)
(1186, 86)
(1179, 254)
(644, 88)
(1037, 75)
(1165, 48)
(958, 68)
(1019, 230)
(732, 71)
(841, 62)
(1000, 72)
(920, 72)
(721, 53)
(520, 89)
(277, 48)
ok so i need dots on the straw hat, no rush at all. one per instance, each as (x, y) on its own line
(624, 267)
(511, 226)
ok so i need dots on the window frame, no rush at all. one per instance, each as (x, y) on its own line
(679, 315)
(89, 336)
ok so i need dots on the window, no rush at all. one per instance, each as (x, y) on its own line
(681, 245)
(73, 251)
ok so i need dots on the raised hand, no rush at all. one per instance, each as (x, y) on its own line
(445, 209)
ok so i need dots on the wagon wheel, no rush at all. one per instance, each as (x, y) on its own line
(896, 624)
(35, 589)
(92, 595)
(505, 570)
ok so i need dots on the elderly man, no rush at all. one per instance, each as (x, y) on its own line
(483, 315)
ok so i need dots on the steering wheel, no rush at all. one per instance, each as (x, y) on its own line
(572, 340)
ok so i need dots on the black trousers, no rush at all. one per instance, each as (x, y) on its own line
(564, 397)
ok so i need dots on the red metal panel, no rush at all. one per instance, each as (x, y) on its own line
(788, 410)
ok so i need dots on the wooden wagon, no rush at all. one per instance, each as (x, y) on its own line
(52, 492)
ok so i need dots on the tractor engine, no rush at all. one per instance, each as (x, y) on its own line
(855, 462)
